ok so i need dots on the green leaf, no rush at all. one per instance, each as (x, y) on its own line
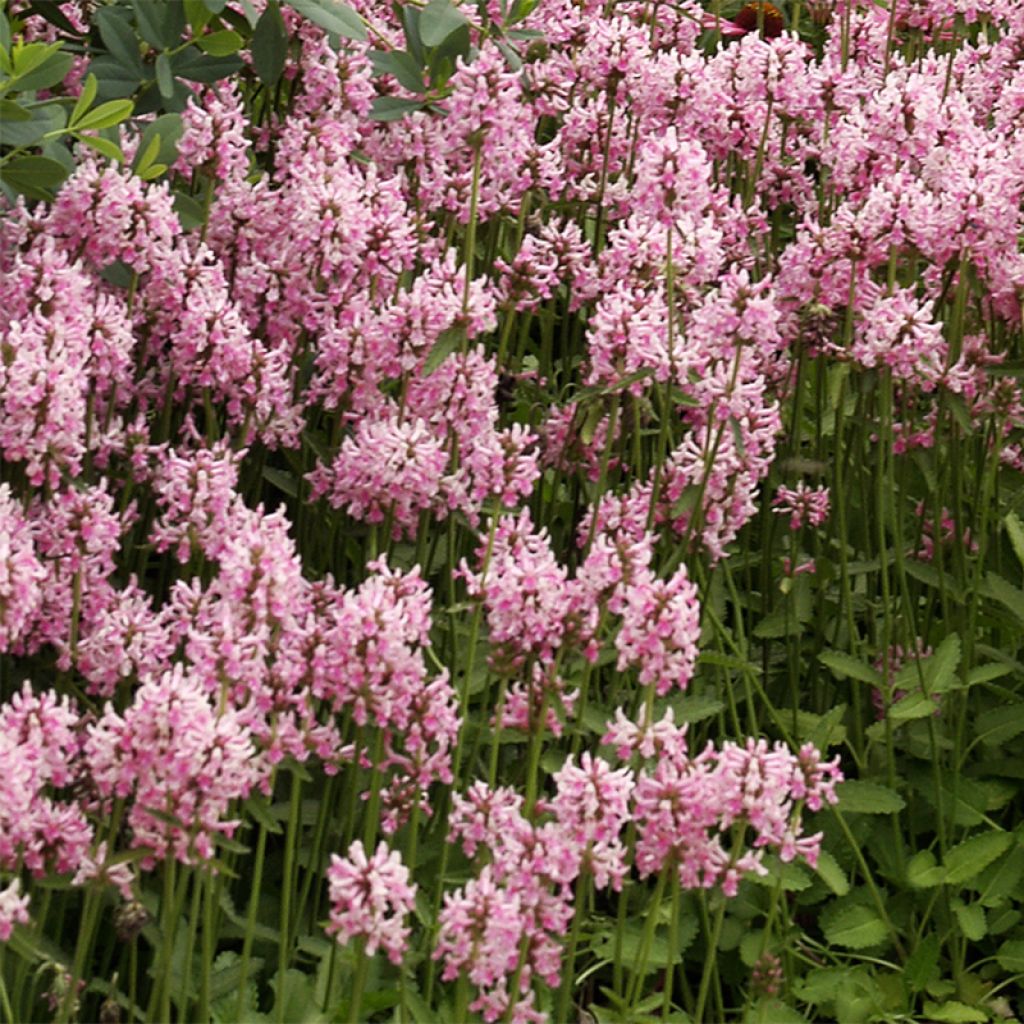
(11, 111)
(940, 668)
(45, 118)
(34, 176)
(161, 22)
(189, 212)
(164, 76)
(270, 45)
(853, 927)
(197, 66)
(660, 954)
(1011, 956)
(1000, 724)
(121, 42)
(447, 342)
(971, 857)
(167, 128)
(105, 115)
(438, 20)
(102, 145)
(333, 16)
(923, 871)
(146, 155)
(27, 57)
(282, 480)
(1005, 593)
(393, 108)
(856, 797)
(84, 101)
(220, 44)
(832, 874)
(1015, 529)
(971, 919)
(402, 66)
(843, 664)
(52, 71)
(1000, 880)
(913, 706)
(953, 1012)
(923, 963)
(115, 80)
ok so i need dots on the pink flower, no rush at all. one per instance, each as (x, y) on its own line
(13, 909)
(801, 504)
(370, 898)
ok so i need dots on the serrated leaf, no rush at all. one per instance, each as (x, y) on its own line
(1015, 530)
(1000, 724)
(857, 797)
(853, 927)
(269, 45)
(1005, 593)
(333, 16)
(1000, 880)
(940, 668)
(953, 1012)
(843, 664)
(923, 871)
(971, 857)
(923, 963)
(659, 955)
(971, 919)
(1011, 956)
(832, 874)
(913, 706)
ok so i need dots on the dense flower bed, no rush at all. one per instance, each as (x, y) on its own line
(476, 478)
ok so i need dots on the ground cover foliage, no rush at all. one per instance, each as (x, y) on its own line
(511, 511)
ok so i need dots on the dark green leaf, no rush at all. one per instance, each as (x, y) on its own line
(270, 45)
(438, 20)
(447, 342)
(1011, 956)
(1000, 724)
(402, 65)
(197, 66)
(164, 76)
(189, 212)
(34, 176)
(161, 22)
(333, 16)
(121, 42)
(114, 80)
